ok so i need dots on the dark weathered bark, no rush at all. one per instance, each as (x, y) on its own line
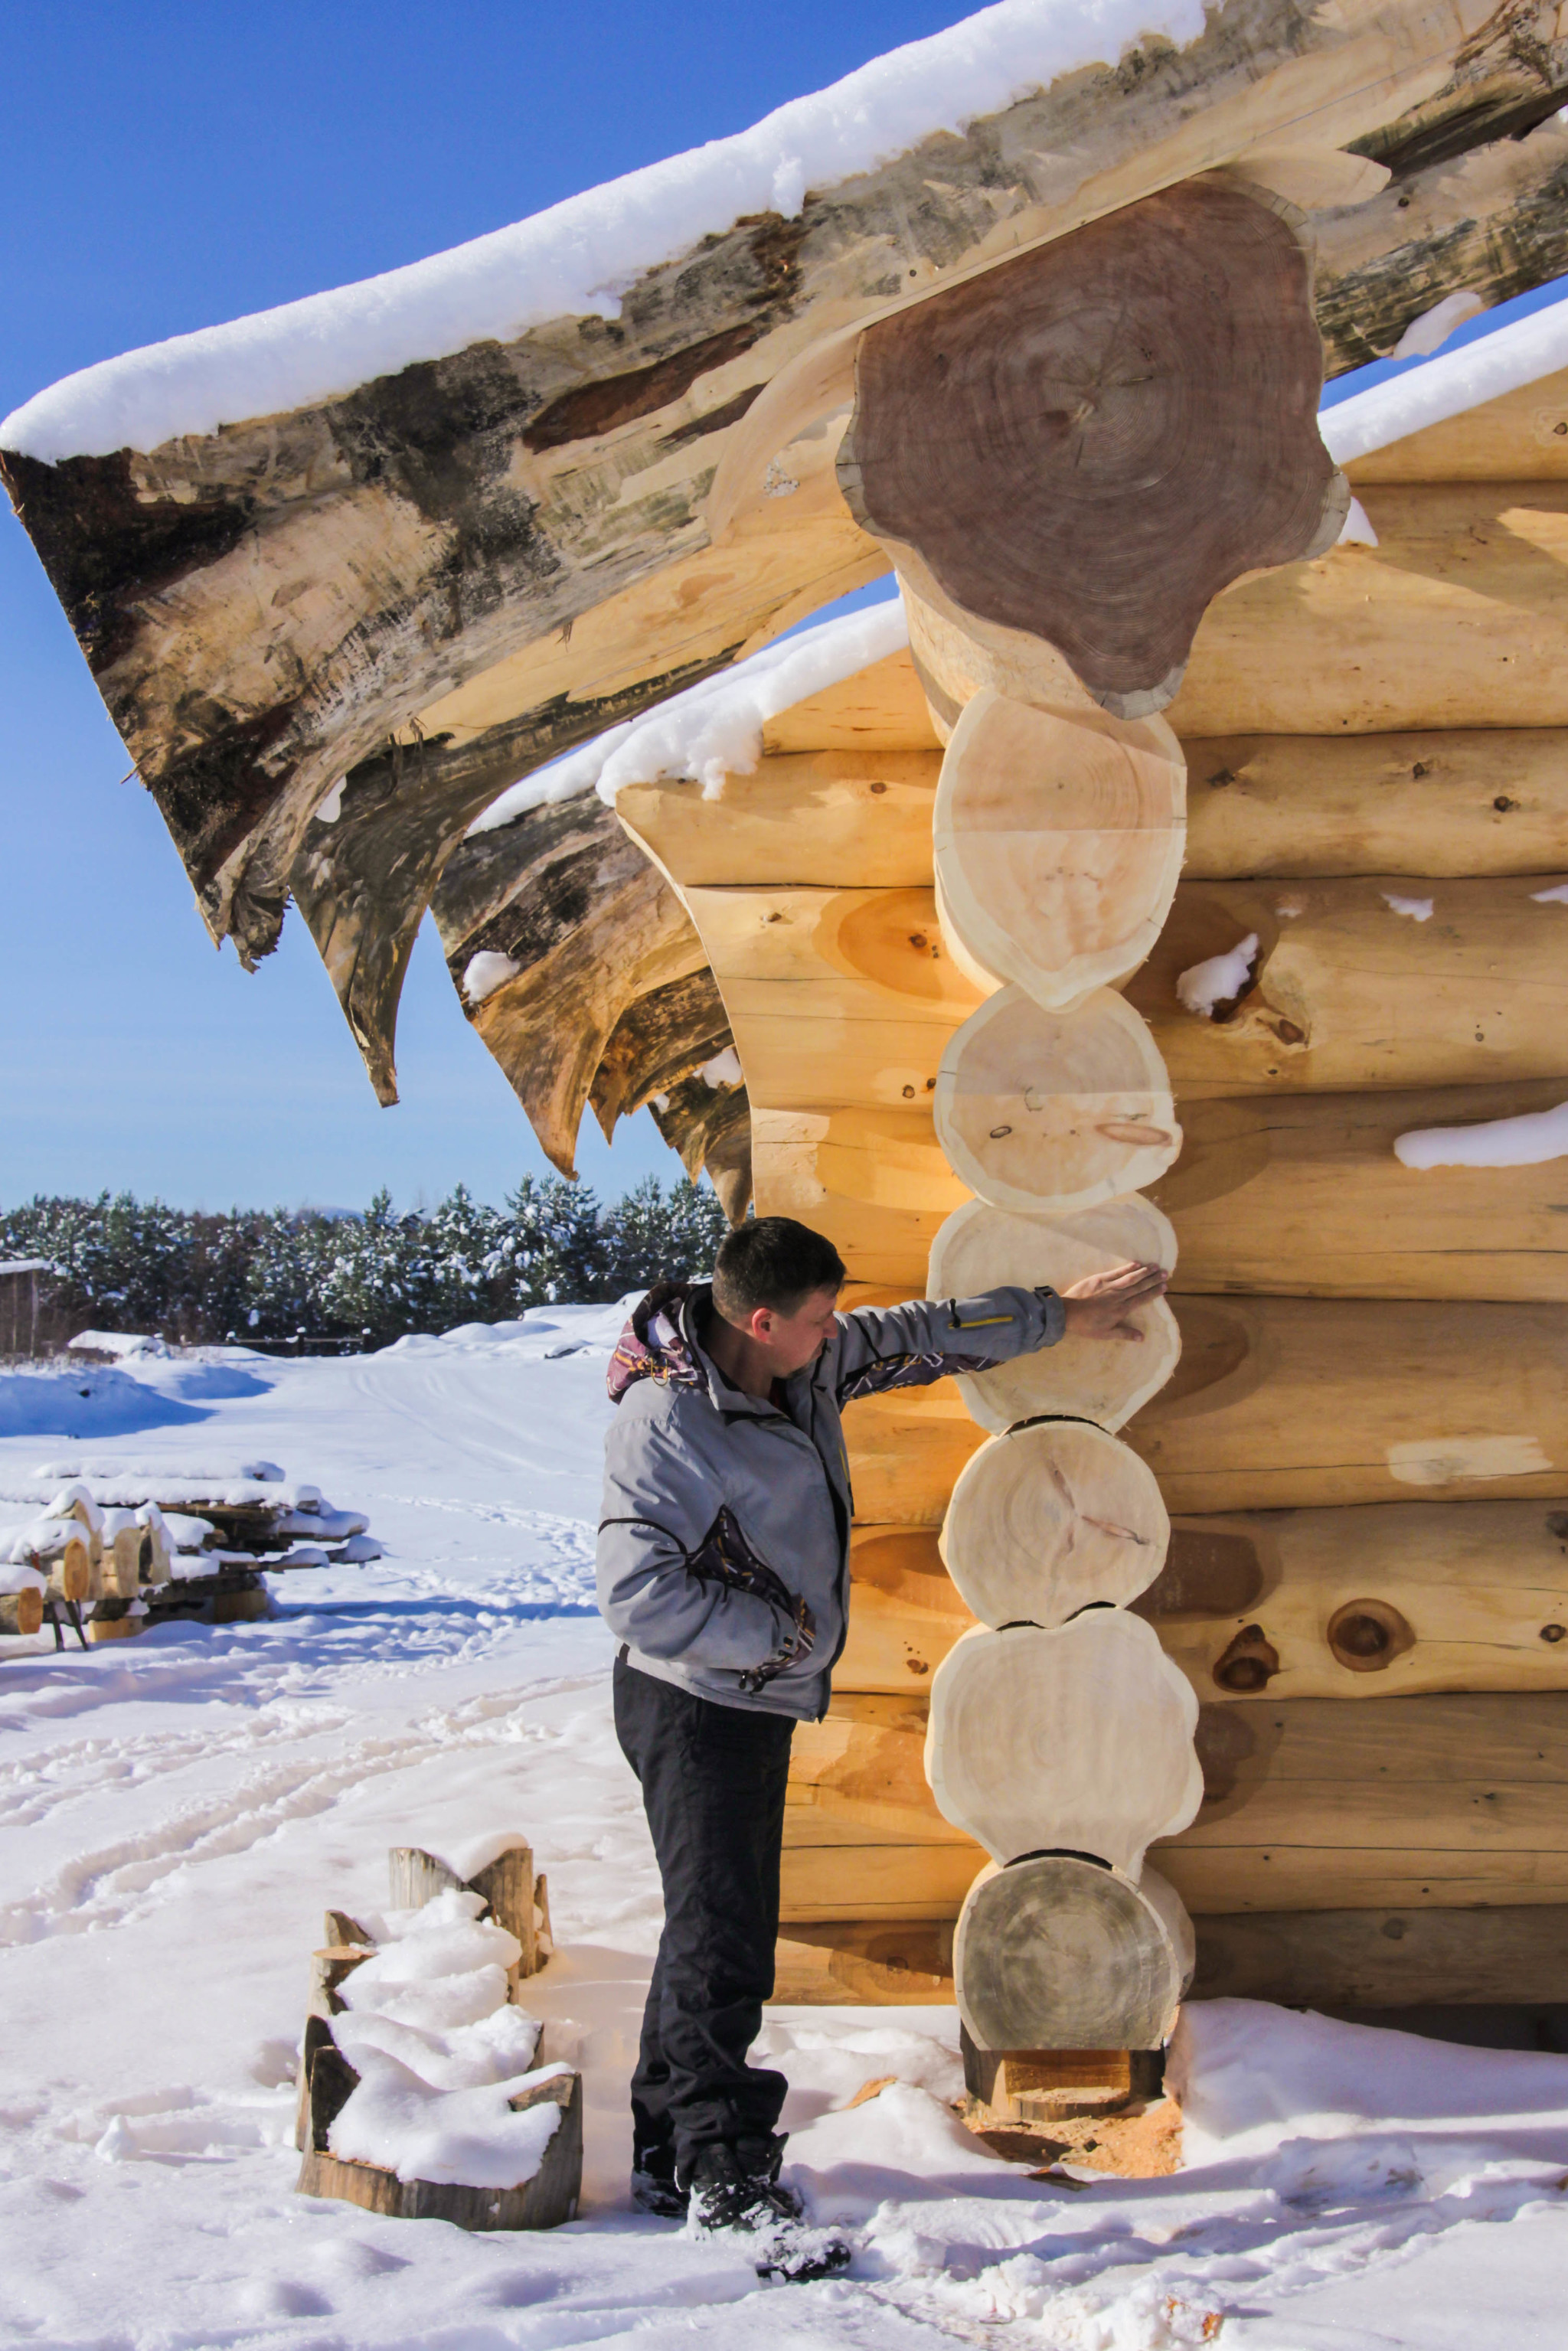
(364, 882)
(1133, 412)
(474, 504)
(657, 1042)
(710, 1127)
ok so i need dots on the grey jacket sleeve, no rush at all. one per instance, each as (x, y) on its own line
(909, 1346)
(676, 1578)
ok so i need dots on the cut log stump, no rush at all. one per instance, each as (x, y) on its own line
(1078, 1740)
(1053, 1517)
(980, 1247)
(1059, 838)
(1059, 1952)
(1047, 1114)
(506, 1884)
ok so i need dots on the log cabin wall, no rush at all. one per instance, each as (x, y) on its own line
(1364, 1446)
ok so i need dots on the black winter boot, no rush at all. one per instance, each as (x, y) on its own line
(735, 2191)
(654, 2188)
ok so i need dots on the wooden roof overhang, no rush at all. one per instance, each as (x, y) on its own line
(400, 600)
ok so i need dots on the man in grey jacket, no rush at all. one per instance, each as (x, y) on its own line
(723, 1571)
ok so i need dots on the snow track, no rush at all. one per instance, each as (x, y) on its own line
(176, 1813)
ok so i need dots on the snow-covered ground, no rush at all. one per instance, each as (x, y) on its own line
(180, 1810)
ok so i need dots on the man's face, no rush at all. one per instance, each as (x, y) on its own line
(791, 1342)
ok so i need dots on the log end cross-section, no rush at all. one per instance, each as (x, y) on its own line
(1089, 442)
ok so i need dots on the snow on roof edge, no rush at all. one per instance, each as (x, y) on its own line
(579, 256)
(713, 729)
(1447, 386)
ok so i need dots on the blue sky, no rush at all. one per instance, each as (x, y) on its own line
(164, 167)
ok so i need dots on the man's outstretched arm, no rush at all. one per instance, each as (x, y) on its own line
(882, 1347)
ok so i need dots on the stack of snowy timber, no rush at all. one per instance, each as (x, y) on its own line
(524, 522)
(418, 2058)
(149, 1545)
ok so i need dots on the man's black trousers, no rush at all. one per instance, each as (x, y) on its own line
(713, 1788)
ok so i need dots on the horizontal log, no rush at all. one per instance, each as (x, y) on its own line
(1459, 617)
(905, 1449)
(1363, 984)
(889, 1964)
(1367, 1602)
(836, 997)
(904, 1611)
(1280, 1402)
(1461, 802)
(1520, 436)
(1302, 1194)
(1383, 1958)
(874, 1180)
(858, 1777)
(874, 1881)
(830, 818)
(1412, 1802)
(881, 708)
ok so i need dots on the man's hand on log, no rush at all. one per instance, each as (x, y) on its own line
(1101, 1305)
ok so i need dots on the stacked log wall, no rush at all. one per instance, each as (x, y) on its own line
(1362, 1449)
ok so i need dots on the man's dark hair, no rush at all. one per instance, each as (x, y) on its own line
(772, 1261)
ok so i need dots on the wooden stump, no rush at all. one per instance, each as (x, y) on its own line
(1049, 1519)
(1367, 1602)
(1057, 1952)
(1132, 409)
(980, 1247)
(1076, 1739)
(544, 2201)
(1050, 1113)
(1059, 838)
(505, 1886)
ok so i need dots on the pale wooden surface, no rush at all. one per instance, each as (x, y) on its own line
(905, 1451)
(1078, 1739)
(1302, 1194)
(1053, 1517)
(904, 1611)
(1461, 802)
(1049, 1113)
(1104, 1380)
(1367, 1602)
(1349, 992)
(873, 1179)
(834, 819)
(1415, 1802)
(1520, 436)
(870, 1882)
(1280, 1402)
(1058, 839)
(1459, 617)
(886, 1963)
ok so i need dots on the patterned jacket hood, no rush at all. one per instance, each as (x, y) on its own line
(653, 1344)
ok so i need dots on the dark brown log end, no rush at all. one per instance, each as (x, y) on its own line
(1090, 443)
